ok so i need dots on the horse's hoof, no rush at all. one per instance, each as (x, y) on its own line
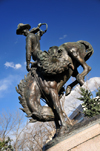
(55, 135)
(89, 68)
(68, 90)
(63, 130)
(80, 79)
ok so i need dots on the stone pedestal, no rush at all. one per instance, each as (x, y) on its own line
(84, 136)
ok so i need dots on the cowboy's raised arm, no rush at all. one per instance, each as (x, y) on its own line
(34, 30)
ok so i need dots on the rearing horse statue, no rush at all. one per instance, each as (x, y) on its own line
(48, 74)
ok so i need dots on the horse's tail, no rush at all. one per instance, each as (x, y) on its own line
(43, 113)
(89, 49)
(22, 100)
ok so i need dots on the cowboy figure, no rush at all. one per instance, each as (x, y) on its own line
(32, 40)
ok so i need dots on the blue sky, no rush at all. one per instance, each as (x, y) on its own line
(68, 21)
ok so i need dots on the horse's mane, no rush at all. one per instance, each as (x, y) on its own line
(51, 62)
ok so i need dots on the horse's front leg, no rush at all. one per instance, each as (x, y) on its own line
(69, 87)
(79, 77)
(75, 55)
(86, 69)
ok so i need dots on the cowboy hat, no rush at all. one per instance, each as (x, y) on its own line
(21, 27)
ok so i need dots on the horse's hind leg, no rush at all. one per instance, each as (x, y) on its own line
(56, 103)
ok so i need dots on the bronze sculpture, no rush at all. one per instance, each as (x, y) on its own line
(47, 75)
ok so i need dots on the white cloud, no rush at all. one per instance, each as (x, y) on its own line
(12, 65)
(71, 101)
(8, 84)
(3, 87)
(92, 84)
(5, 84)
(17, 66)
(64, 36)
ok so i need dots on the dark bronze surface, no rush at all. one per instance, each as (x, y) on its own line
(48, 74)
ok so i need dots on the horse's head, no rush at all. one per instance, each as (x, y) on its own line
(53, 51)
